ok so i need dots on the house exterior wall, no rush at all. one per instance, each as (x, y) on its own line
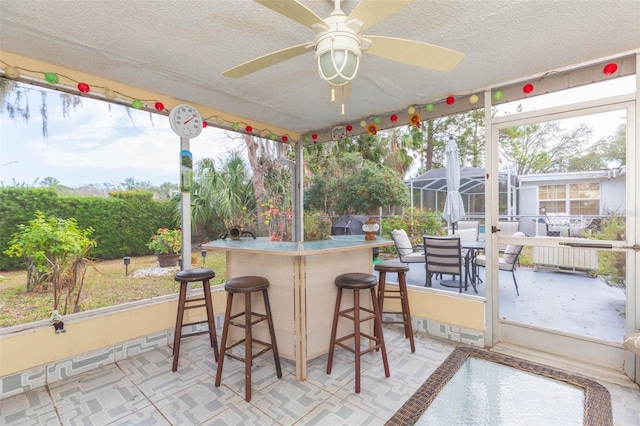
(612, 192)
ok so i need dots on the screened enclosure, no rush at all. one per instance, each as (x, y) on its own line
(429, 191)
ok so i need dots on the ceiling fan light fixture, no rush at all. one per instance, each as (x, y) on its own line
(338, 59)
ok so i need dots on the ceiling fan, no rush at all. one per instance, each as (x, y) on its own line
(339, 43)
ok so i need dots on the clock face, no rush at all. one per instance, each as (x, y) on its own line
(185, 120)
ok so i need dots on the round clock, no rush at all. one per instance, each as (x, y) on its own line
(186, 121)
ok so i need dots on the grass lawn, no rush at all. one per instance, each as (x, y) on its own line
(105, 285)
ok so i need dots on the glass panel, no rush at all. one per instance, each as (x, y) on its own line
(570, 184)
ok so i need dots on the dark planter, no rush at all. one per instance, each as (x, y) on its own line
(168, 260)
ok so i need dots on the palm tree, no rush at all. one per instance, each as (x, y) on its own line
(221, 198)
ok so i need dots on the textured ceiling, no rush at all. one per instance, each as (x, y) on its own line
(180, 48)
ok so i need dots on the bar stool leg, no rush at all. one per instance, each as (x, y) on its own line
(356, 331)
(406, 314)
(177, 335)
(381, 286)
(248, 363)
(334, 329)
(225, 331)
(272, 332)
(211, 319)
(378, 326)
(381, 289)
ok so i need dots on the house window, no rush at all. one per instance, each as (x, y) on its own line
(574, 198)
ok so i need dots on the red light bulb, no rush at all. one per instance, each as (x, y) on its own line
(450, 100)
(610, 69)
(527, 88)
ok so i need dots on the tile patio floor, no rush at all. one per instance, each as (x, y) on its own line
(143, 390)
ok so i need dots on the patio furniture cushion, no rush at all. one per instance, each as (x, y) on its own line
(512, 251)
(469, 234)
(403, 244)
(413, 257)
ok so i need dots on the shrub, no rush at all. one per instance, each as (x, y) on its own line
(612, 265)
(316, 227)
(416, 222)
(55, 251)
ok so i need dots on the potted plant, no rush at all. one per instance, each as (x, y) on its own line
(166, 244)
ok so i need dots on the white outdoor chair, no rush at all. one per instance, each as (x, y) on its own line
(406, 252)
(509, 260)
(467, 230)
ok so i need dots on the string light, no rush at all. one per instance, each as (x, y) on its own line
(82, 87)
(53, 78)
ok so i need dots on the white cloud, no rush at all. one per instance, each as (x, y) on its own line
(96, 143)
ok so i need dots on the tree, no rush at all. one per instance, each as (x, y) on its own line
(14, 98)
(541, 147)
(401, 146)
(370, 188)
(221, 198)
(323, 192)
(50, 182)
(55, 250)
(131, 183)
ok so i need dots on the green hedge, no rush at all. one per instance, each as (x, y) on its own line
(122, 223)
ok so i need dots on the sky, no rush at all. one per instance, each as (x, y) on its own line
(100, 143)
(97, 143)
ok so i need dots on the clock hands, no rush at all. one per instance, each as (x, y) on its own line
(189, 120)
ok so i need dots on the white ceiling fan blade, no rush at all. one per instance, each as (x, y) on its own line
(370, 12)
(266, 61)
(294, 10)
(416, 53)
(340, 93)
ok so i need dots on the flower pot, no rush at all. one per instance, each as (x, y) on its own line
(168, 260)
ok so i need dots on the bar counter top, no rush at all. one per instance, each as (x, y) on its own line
(337, 243)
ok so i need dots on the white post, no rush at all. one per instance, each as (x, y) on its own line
(185, 207)
(298, 196)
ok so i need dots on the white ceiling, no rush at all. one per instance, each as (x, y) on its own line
(180, 48)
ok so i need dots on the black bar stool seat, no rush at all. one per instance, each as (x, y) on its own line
(401, 293)
(357, 281)
(247, 285)
(184, 303)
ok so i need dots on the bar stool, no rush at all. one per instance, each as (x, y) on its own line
(247, 285)
(184, 303)
(357, 281)
(401, 293)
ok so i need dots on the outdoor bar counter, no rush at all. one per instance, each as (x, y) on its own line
(302, 291)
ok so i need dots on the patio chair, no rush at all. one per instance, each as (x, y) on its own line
(443, 255)
(406, 252)
(468, 224)
(468, 230)
(509, 260)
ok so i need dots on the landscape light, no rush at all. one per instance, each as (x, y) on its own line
(127, 261)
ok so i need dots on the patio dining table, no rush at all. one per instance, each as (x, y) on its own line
(472, 248)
